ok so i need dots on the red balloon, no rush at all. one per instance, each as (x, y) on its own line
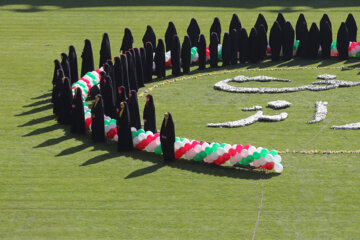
(115, 130)
(157, 135)
(226, 156)
(247, 147)
(149, 138)
(232, 152)
(88, 122)
(187, 147)
(239, 147)
(182, 151)
(195, 143)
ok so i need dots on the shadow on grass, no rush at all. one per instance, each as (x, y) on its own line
(38, 121)
(35, 110)
(40, 102)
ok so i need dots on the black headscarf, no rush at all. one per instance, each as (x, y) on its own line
(127, 41)
(288, 37)
(299, 28)
(342, 43)
(325, 18)
(167, 138)
(125, 69)
(175, 56)
(352, 27)
(73, 64)
(281, 20)
(234, 42)
(216, 27)
(107, 92)
(139, 68)
(226, 50)
(66, 65)
(262, 38)
(149, 115)
(275, 41)
(98, 123)
(143, 62)
(77, 113)
(213, 47)
(120, 96)
(105, 50)
(254, 46)
(159, 59)
(134, 110)
(55, 79)
(261, 21)
(325, 38)
(243, 46)
(87, 64)
(186, 54)
(118, 72)
(193, 32)
(235, 23)
(132, 71)
(149, 61)
(170, 32)
(57, 87)
(125, 142)
(149, 36)
(314, 41)
(202, 52)
(304, 40)
(65, 100)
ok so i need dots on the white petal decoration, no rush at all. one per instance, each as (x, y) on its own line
(320, 112)
(352, 126)
(326, 76)
(279, 104)
(253, 108)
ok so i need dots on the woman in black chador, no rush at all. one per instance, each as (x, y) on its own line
(132, 71)
(125, 142)
(314, 41)
(342, 42)
(65, 100)
(202, 52)
(288, 37)
(139, 68)
(107, 92)
(149, 36)
(226, 50)
(134, 110)
(216, 27)
(97, 123)
(118, 72)
(193, 31)
(281, 20)
(253, 46)
(87, 64)
(262, 40)
(175, 56)
(167, 138)
(170, 32)
(73, 64)
(261, 20)
(234, 42)
(213, 47)
(56, 94)
(299, 27)
(352, 27)
(304, 40)
(149, 116)
(325, 39)
(127, 41)
(55, 80)
(125, 69)
(235, 23)
(149, 61)
(105, 50)
(66, 65)
(243, 46)
(77, 113)
(186, 54)
(120, 97)
(275, 41)
(143, 62)
(325, 18)
(159, 60)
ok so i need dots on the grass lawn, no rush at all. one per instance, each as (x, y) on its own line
(54, 185)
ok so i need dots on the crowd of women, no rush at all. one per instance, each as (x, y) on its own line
(116, 95)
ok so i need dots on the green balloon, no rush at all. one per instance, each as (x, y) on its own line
(256, 155)
(223, 145)
(113, 121)
(177, 139)
(107, 122)
(158, 150)
(208, 150)
(273, 152)
(249, 159)
(133, 134)
(202, 155)
(141, 131)
(264, 152)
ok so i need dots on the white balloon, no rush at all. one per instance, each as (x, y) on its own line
(227, 147)
(262, 161)
(277, 159)
(251, 150)
(214, 156)
(278, 167)
(256, 163)
(136, 140)
(142, 136)
(116, 138)
(269, 158)
(108, 118)
(157, 141)
(107, 128)
(191, 153)
(244, 153)
(186, 141)
(197, 148)
(133, 129)
(153, 145)
(112, 125)
(177, 145)
(232, 160)
(90, 127)
(259, 149)
(87, 115)
(220, 151)
(237, 157)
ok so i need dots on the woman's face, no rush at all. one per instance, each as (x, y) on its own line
(166, 116)
(122, 105)
(147, 98)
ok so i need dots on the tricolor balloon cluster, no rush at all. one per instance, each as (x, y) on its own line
(211, 153)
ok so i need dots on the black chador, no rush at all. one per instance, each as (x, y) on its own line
(243, 46)
(132, 71)
(213, 47)
(175, 56)
(66, 65)
(149, 116)
(139, 68)
(112, 74)
(314, 41)
(87, 64)
(281, 20)
(235, 23)
(325, 18)
(65, 101)
(275, 41)
(186, 54)
(143, 62)
(262, 40)
(125, 69)
(127, 41)
(57, 88)
(125, 142)
(120, 97)
(304, 40)
(134, 110)
(149, 36)
(77, 113)
(170, 32)
(149, 61)
(234, 46)
(105, 50)
(159, 59)
(216, 27)
(325, 38)
(299, 28)
(202, 52)
(253, 46)
(352, 27)
(288, 41)
(226, 50)
(167, 138)
(107, 93)
(193, 31)
(261, 20)
(97, 117)
(73, 64)
(342, 43)
(118, 72)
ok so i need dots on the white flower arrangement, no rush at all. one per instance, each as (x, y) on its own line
(279, 104)
(351, 126)
(253, 108)
(326, 76)
(320, 112)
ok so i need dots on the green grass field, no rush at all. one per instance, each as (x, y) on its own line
(54, 185)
